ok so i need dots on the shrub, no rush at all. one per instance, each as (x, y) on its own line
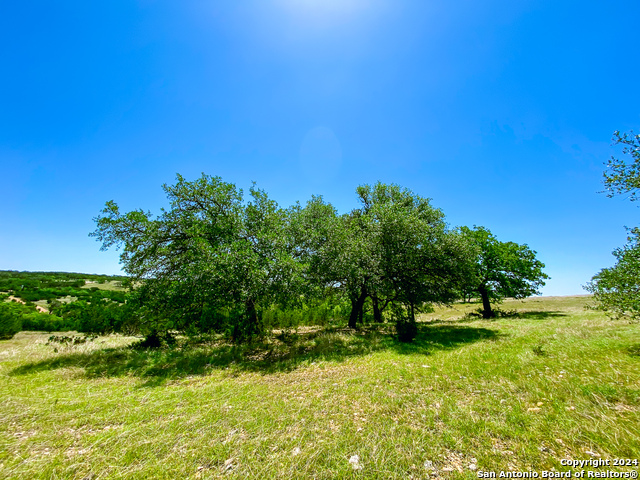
(10, 321)
(406, 330)
(42, 322)
(98, 317)
(406, 327)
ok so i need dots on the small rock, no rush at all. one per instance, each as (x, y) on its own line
(355, 462)
(296, 451)
(473, 466)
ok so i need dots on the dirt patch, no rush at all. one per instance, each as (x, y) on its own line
(19, 300)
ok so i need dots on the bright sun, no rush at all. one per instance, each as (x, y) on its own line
(338, 9)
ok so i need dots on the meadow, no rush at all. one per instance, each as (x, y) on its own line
(549, 380)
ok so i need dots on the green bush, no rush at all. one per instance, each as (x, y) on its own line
(43, 322)
(406, 330)
(324, 312)
(10, 321)
(406, 327)
(98, 317)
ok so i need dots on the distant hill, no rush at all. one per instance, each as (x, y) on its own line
(39, 286)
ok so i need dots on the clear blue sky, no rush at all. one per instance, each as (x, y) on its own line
(502, 112)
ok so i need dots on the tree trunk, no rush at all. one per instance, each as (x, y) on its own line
(252, 313)
(248, 325)
(356, 308)
(353, 317)
(377, 313)
(406, 327)
(486, 305)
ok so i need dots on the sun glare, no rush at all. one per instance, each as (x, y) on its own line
(325, 9)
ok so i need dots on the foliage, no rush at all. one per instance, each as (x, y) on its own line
(98, 317)
(617, 289)
(421, 261)
(209, 253)
(406, 327)
(26, 317)
(503, 269)
(394, 249)
(10, 321)
(34, 286)
(329, 310)
(623, 176)
(95, 309)
(334, 251)
(70, 340)
(42, 322)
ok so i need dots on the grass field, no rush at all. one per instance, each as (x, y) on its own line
(518, 393)
(109, 285)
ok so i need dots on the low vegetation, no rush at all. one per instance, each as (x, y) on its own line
(543, 381)
(58, 301)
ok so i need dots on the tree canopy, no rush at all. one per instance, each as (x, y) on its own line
(209, 252)
(616, 289)
(214, 261)
(503, 269)
(395, 249)
(623, 174)
(421, 261)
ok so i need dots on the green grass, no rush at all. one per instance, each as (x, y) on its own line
(114, 285)
(521, 392)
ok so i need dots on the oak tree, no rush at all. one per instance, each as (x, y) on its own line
(210, 260)
(503, 269)
(395, 249)
(617, 289)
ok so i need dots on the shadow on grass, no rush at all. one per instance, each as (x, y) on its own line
(634, 350)
(269, 356)
(500, 314)
(537, 315)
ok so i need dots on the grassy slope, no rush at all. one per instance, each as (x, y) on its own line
(517, 393)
